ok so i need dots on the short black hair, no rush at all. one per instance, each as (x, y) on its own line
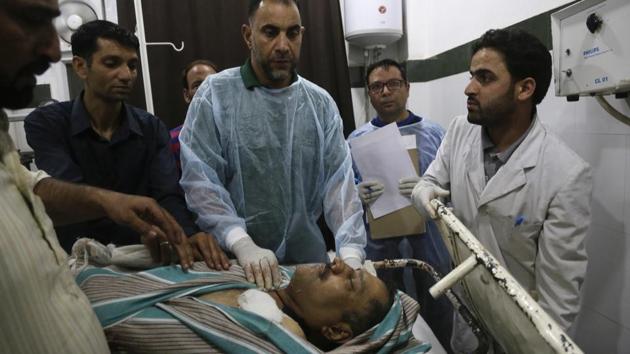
(371, 316)
(524, 56)
(195, 63)
(385, 64)
(84, 40)
(255, 4)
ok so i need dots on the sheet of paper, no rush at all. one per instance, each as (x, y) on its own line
(409, 142)
(381, 156)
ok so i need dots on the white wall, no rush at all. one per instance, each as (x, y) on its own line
(604, 322)
(56, 77)
(436, 26)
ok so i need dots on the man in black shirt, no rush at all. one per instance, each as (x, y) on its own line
(97, 139)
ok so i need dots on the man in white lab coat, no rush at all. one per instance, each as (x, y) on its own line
(513, 183)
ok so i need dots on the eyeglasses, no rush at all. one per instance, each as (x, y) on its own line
(376, 88)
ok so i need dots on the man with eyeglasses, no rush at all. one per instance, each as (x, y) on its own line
(388, 88)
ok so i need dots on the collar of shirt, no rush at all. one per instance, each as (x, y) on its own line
(411, 119)
(488, 146)
(80, 121)
(249, 76)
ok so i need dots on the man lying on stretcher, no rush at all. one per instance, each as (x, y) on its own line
(332, 302)
(165, 309)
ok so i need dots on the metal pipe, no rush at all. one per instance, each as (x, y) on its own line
(612, 110)
(144, 58)
(453, 277)
(458, 306)
(552, 333)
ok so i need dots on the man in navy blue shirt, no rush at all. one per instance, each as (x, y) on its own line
(99, 140)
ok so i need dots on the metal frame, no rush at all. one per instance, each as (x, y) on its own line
(549, 330)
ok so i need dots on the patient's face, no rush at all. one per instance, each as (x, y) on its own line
(323, 293)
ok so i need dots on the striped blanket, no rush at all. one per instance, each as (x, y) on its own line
(156, 311)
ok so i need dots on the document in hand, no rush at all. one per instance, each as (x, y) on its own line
(381, 156)
(403, 222)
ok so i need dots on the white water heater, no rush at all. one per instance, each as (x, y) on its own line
(373, 23)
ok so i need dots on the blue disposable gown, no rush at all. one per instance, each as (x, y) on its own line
(429, 247)
(271, 161)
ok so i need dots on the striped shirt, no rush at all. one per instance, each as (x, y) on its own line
(156, 311)
(42, 308)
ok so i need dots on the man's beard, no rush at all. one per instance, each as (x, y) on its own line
(18, 92)
(277, 75)
(495, 112)
(273, 74)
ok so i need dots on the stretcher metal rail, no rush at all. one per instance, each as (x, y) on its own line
(536, 330)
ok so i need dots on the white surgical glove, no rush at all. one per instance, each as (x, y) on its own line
(353, 262)
(422, 195)
(369, 191)
(405, 185)
(260, 264)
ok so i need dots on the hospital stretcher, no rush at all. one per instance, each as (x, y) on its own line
(495, 306)
(155, 310)
(489, 299)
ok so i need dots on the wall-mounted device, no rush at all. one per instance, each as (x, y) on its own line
(373, 23)
(591, 49)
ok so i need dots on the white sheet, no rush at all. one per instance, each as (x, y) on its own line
(381, 156)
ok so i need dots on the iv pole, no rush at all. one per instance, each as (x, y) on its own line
(146, 75)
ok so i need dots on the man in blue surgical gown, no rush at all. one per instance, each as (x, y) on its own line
(388, 89)
(263, 155)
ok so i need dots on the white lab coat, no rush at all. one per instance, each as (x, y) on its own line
(533, 215)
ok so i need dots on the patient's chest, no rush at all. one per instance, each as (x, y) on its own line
(224, 297)
(230, 298)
